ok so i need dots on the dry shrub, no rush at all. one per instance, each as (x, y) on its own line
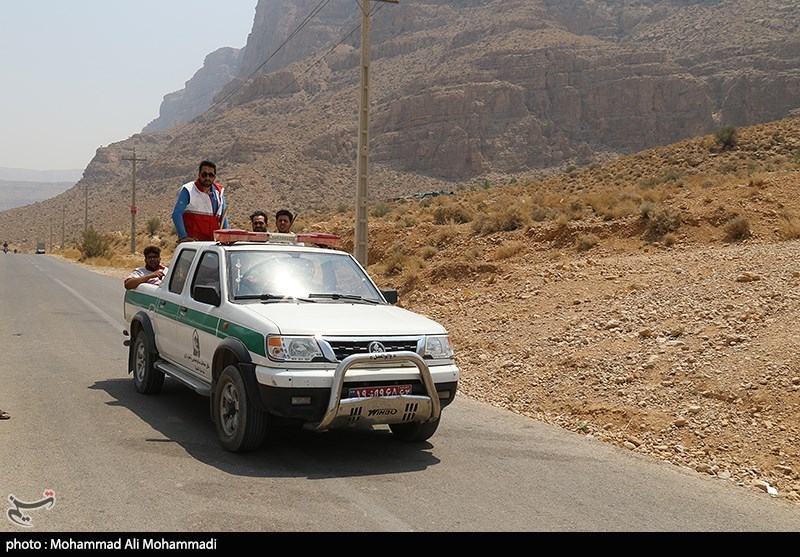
(661, 220)
(409, 221)
(504, 216)
(396, 263)
(540, 214)
(445, 234)
(509, 249)
(428, 252)
(585, 242)
(452, 214)
(473, 253)
(669, 239)
(790, 228)
(380, 209)
(738, 228)
(611, 205)
(408, 282)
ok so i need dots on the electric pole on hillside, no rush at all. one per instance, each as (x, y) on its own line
(133, 199)
(362, 155)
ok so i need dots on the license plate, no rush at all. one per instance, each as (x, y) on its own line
(389, 390)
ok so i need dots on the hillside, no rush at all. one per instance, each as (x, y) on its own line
(461, 91)
(650, 302)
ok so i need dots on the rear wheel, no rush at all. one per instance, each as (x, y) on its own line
(414, 431)
(147, 379)
(240, 425)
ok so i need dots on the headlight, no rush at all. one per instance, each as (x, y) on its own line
(293, 349)
(438, 347)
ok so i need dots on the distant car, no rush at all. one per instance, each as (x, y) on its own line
(40, 247)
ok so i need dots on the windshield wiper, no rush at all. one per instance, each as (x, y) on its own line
(348, 297)
(272, 297)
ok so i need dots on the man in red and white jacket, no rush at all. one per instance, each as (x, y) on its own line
(200, 208)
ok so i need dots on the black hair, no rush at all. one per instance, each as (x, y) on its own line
(259, 214)
(206, 163)
(155, 250)
(286, 212)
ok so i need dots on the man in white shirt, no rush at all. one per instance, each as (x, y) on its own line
(152, 272)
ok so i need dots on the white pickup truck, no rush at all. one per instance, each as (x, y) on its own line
(273, 328)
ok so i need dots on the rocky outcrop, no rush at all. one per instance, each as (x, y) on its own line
(465, 87)
(179, 107)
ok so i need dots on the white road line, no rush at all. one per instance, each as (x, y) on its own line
(110, 320)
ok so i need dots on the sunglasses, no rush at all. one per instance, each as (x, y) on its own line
(208, 175)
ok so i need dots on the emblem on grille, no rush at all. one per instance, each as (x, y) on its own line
(376, 347)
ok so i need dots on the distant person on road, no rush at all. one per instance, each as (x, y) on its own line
(284, 220)
(152, 272)
(259, 221)
(200, 208)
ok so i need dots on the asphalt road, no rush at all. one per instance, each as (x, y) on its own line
(118, 461)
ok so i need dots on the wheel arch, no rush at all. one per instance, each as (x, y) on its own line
(141, 324)
(232, 351)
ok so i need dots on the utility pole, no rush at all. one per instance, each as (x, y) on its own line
(86, 207)
(362, 159)
(133, 199)
(63, 211)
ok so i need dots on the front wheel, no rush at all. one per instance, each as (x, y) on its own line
(147, 379)
(240, 425)
(414, 431)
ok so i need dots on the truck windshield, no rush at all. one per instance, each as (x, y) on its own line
(269, 275)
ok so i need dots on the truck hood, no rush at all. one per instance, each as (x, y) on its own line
(345, 319)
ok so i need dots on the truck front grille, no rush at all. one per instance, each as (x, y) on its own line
(344, 347)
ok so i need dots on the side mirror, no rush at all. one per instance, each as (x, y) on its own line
(390, 295)
(207, 295)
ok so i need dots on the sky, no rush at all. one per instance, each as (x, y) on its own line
(82, 74)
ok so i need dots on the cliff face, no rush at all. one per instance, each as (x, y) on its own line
(472, 86)
(219, 68)
(460, 91)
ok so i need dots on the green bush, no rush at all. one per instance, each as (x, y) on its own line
(726, 137)
(93, 244)
(153, 224)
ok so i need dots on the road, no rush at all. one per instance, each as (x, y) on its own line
(119, 461)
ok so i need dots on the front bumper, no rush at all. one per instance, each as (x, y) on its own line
(320, 399)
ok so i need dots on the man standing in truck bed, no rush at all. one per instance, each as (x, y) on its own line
(200, 208)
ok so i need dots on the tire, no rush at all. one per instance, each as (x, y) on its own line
(240, 425)
(147, 379)
(414, 431)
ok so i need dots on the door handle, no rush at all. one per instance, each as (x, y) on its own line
(182, 311)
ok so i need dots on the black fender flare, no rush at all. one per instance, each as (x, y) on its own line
(232, 351)
(141, 325)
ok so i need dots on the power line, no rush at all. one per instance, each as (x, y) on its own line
(305, 22)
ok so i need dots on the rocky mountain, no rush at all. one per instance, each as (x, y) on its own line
(461, 92)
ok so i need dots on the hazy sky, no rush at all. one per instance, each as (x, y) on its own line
(82, 74)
